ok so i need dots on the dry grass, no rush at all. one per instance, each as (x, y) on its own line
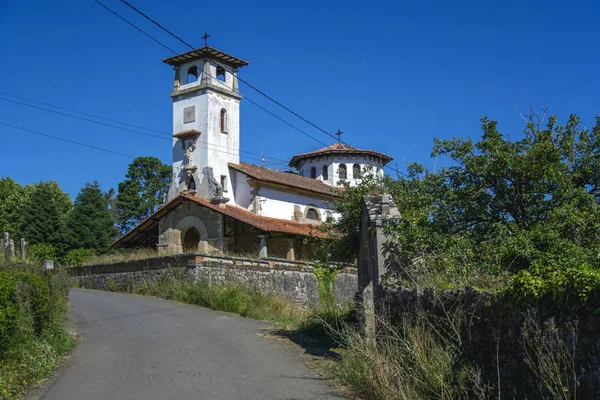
(143, 253)
(550, 354)
(409, 362)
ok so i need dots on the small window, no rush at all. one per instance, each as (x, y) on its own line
(342, 171)
(325, 172)
(224, 182)
(192, 75)
(313, 173)
(223, 120)
(312, 214)
(356, 171)
(220, 73)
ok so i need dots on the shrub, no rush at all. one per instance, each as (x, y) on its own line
(39, 252)
(77, 257)
(33, 304)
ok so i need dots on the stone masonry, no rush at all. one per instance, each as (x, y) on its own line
(292, 279)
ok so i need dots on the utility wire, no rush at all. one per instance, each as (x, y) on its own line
(240, 79)
(187, 44)
(258, 156)
(247, 83)
(82, 113)
(135, 27)
(66, 140)
(156, 23)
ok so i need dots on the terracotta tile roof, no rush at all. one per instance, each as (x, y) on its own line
(266, 224)
(285, 178)
(338, 149)
(145, 234)
(187, 134)
(205, 52)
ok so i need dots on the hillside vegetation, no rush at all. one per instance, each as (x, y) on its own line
(33, 306)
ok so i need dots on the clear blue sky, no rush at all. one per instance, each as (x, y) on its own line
(392, 75)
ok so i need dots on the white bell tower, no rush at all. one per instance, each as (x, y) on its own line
(206, 120)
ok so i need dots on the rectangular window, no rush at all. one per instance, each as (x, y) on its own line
(224, 182)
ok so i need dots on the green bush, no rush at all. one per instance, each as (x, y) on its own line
(77, 257)
(33, 304)
(40, 252)
(23, 296)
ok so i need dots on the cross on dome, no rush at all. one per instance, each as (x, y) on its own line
(339, 135)
(205, 37)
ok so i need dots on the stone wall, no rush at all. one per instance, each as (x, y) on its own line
(293, 279)
(491, 334)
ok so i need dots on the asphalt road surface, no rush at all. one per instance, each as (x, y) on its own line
(135, 347)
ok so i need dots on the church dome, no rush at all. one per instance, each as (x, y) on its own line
(338, 150)
(339, 163)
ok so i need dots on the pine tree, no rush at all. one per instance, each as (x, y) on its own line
(90, 224)
(44, 215)
(12, 200)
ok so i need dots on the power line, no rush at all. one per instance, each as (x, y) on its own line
(156, 23)
(83, 119)
(67, 140)
(240, 79)
(135, 27)
(81, 113)
(119, 127)
(187, 44)
(247, 83)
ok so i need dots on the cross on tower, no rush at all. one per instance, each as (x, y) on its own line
(339, 135)
(205, 37)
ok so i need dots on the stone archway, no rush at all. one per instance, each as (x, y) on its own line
(185, 226)
(191, 240)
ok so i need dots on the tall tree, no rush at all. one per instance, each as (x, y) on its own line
(146, 183)
(44, 215)
(12, 199)
(90, 224)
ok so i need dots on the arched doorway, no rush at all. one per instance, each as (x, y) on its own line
(191, 240)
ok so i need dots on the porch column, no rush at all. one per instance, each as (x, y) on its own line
(290, 253)
(263, 246)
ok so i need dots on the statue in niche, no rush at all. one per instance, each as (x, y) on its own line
(189, 151)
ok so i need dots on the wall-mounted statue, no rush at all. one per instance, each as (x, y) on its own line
(189, 151)
(215, 187)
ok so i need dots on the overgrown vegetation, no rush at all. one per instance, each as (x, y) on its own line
(522, 214)
(413, 361)
(237, 299)
(70, 233)
(33, 305)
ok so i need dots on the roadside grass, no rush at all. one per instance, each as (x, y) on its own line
(33, 307)
(412, 363)
(242, 300)
(144, 253)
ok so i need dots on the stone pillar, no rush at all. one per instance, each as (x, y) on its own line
(49, 264)
(22, 249)
(378, 211)
(6, 244)
(206, 75)
(235, 81)
(11, 248)
(290, 253)
(263, 246)
(176, 82)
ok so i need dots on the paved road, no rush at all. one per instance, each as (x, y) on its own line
(135, 347)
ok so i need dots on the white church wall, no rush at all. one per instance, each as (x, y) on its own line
(241, 191)
(279, 204)
(223, 148)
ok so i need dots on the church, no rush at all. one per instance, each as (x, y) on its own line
(216, 203)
